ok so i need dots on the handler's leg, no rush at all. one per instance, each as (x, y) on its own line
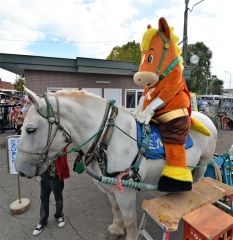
(44, 197)
(57, 187)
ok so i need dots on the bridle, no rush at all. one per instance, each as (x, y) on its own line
(52, 120)
(166, 45)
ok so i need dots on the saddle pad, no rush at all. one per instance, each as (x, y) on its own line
(155, 149)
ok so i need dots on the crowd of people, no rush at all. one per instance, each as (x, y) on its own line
(12, 113)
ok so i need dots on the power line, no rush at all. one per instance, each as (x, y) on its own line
(62, 42)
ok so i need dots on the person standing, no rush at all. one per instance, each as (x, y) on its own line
(52, 180)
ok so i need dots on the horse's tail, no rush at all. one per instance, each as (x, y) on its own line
(196, 125)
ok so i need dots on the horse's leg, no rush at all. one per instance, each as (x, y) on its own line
(115, 230)
(127, 203)
(199, 171)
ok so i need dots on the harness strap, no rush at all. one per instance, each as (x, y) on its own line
(106, 139)
(88, 155)
(145, 141)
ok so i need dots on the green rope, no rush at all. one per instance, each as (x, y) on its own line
(129, 183)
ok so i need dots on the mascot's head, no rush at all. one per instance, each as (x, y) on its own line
(159, 52)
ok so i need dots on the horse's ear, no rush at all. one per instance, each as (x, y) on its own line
(33, 98)
(163, 27)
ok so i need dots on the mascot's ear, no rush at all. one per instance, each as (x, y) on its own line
(163, 27)
(33, 98)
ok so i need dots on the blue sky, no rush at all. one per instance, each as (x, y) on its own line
(79, 28)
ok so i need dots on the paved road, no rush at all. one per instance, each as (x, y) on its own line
(87, 211)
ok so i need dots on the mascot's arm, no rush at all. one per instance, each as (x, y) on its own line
(146, 115)
(139, 107)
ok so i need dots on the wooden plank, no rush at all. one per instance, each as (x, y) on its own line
(169, 209)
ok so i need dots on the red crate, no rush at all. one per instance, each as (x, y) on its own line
(208, 223)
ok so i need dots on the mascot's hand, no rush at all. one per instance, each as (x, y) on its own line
(145, 116)
(137, 111)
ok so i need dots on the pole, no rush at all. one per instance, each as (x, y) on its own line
(207, 86)
(19, 192)
(185, 33)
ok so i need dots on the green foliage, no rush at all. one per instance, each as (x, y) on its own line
(216, 85)
(127, 52)
(202, 80)
(200, 72)
(19, 83)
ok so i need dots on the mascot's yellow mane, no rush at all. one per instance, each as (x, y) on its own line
(148, 36)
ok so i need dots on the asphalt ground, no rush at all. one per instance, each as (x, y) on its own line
(87, 210)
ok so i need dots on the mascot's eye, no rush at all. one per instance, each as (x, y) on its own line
(150, 58)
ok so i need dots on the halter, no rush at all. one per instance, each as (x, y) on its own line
(166, 44)
(50, 116)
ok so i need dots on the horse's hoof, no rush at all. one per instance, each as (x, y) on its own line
(112, 236)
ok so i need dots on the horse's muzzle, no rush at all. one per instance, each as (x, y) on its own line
(23, 175)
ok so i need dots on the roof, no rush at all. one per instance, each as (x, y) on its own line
(6, 85)
(18, 64)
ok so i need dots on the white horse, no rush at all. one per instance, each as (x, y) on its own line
(77, 115)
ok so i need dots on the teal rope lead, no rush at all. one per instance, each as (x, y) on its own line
(129, 183)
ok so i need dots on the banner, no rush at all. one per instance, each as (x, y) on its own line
(12, 142)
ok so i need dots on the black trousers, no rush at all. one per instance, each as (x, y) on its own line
(50, 184)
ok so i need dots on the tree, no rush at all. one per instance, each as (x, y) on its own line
(127, 52)
(216, 86)
(19, 83)
(201, 75)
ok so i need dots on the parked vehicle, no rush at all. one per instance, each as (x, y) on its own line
(211, 99)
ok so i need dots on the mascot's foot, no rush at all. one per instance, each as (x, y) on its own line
(175, 179)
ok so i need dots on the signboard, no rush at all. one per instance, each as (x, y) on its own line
(12, 142)
(193, 97)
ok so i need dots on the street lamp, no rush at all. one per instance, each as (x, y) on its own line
(185, 32)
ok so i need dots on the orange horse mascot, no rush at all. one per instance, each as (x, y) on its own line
(165, 102)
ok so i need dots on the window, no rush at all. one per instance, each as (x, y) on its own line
(132, 97)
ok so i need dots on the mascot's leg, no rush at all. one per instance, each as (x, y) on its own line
(175, 177)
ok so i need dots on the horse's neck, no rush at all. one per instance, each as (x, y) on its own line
(85, 121)
(84, 117)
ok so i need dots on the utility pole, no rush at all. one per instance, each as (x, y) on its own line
(185, 32)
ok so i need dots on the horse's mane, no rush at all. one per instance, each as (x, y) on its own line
(150, 33)
(76, 93)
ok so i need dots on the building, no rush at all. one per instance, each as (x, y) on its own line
(109, 79)
(6, 86)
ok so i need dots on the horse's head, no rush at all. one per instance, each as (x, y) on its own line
(159, 52)
(42, 136)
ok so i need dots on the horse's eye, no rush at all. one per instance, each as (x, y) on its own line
(30, 130)
(150, 58)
